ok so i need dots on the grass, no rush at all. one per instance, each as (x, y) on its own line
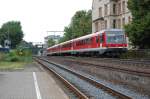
(13, 60)
(27, 59)
(12, 65)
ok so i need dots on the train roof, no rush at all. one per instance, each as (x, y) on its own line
(66, 42)
(60, 44)
(96, 33)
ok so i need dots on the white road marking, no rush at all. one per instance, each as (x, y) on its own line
(36, 86)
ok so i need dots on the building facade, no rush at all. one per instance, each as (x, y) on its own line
(108, 14)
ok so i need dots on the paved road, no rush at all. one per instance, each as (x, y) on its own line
(30, 83)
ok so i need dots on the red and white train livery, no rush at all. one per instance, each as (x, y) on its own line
(108, 42)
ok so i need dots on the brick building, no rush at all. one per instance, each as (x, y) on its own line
(107, 14)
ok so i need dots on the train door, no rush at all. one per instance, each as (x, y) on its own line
(101, 40)
(97, 41)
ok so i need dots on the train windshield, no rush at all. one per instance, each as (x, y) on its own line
(115, 37)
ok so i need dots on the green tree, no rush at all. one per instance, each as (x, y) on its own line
(81, 24)
(2, 37)
(11, 30)
(25, 45)
(51, 42)
(139, 29)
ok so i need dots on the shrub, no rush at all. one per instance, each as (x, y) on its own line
(14, 59)
(11, 57)
(16, 56)
(23, 52)
(136, 54)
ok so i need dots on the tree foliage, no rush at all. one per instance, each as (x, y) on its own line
(139, 29)
(51, 42)
(11, 30)
(81, 24)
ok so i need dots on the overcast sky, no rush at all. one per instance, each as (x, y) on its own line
(39, 16)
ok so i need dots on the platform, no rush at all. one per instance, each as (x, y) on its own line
(31, 83)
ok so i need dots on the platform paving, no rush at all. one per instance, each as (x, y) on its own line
(30, 83)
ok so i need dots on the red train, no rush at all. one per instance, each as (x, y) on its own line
(106, 42)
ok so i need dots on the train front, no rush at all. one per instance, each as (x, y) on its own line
(116, 42)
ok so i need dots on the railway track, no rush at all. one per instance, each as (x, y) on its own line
(114, 68)
(93, 82)
(117, 60)
(71, 87)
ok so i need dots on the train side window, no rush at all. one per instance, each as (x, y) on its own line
(89, 41)
(82, 42)
(86, 41)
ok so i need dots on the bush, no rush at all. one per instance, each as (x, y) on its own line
(16, 56)
(136, 54)
(13, 59)
(23, 52)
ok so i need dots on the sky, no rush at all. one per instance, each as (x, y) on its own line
(39, 16)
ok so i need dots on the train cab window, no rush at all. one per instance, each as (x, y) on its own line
(115, 37)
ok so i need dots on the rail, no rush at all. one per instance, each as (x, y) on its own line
(67, 83)
(131, 71)
(91, 81)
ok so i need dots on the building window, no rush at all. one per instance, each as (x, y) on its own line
(114, 8)
(96, 27)
(123, 6)
(105, 24)
(114, 23)
(100, 12)
(119, 23)
(123, 21)
(119, 8)
(106, 10)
